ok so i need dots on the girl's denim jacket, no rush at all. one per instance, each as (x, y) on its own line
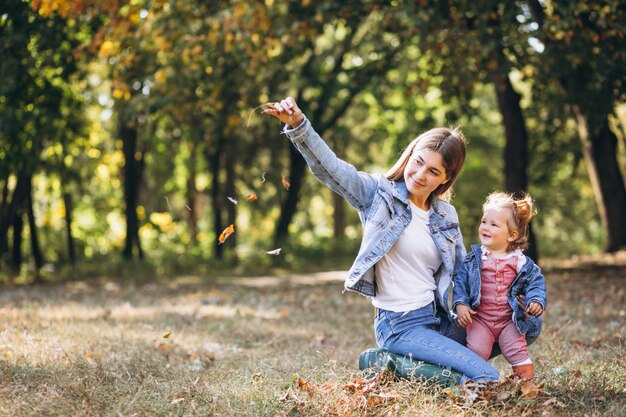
(383, 208)
(529, 282)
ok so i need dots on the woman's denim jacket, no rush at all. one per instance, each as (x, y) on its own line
(383, 208)
(529, 282)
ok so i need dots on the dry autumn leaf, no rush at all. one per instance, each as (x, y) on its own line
(227, 232)
(167, 335)
(251, 197)
(285, 183)
(180, 397)
(529, 390)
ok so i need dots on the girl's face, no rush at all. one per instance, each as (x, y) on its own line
(423, 174)
(494, 230)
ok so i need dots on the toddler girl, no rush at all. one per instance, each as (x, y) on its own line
(499, 293)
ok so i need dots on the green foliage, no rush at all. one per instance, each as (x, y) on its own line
(193, 75)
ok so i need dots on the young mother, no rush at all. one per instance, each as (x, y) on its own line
(411, 245)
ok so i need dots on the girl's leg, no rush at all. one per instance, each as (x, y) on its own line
(480, 338)
(413, 334)
(513, 344)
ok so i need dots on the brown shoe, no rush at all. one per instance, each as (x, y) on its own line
(524, 372)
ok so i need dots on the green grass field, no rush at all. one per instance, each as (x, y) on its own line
(283, 345)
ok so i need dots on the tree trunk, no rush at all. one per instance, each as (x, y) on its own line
(71, 252)
(288, 208)
(132, 180)
(599, 145)
(231, 209)
(16, 256)
(516, 147)
(214, 160)
(192, 193)
(34, 240)
(339, 217)
(10, 209)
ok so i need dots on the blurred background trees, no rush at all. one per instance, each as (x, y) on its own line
(132, 129)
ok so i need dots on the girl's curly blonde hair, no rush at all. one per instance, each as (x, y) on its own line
(521, 208)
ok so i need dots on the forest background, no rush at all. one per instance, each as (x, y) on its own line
(133, 129)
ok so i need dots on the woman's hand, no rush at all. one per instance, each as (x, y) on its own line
(464, 314)
(534, 308)
(287, 111)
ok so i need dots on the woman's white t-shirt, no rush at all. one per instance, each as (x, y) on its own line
(405, 275)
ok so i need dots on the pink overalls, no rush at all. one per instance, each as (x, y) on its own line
(493, 320)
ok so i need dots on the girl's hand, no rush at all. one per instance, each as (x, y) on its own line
(287, 111)
(464, 314)
(534, 308)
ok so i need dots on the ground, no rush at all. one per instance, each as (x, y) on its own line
(285, 344)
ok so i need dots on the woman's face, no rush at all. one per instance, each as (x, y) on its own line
(423, 174)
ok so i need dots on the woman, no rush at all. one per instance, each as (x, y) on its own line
(412, 244)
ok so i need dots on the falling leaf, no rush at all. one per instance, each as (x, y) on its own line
(274, 252)
(188, 208)
(227, 232)
(167, 335)
(286, 183)
(251, 197)
(168, 203)
(263, 176)
(232, 200)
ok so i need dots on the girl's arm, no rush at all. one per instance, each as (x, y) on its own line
(536, 289)
(358, 188)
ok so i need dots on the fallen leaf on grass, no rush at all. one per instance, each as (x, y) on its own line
(529, 390)
(226, 233)
(285, 183)
(555, 402)
(304, 385)
(290, 395)
(163, 346)
(90, 360)
(361, 386)
(180, 397)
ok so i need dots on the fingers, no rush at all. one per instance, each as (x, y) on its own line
(535, 309)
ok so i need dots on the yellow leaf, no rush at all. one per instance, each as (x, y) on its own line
(285, 183)
(167, 335)
(226, 233)
(251, 197)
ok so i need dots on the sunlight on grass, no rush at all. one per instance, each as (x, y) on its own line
(276, 345)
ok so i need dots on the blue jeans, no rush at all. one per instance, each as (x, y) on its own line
(422, 335)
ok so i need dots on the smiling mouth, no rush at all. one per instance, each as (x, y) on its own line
(415, 182)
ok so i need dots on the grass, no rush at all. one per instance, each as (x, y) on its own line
(278, 345)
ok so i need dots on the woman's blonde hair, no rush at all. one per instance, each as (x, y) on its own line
(447, 142)
(521, 208)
